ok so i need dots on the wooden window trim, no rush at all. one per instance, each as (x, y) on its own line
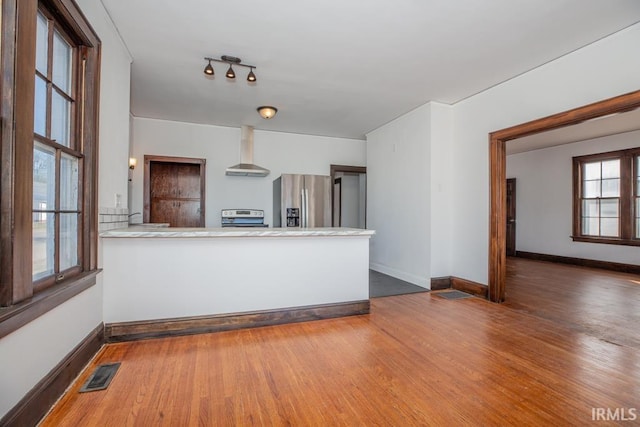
(17, 66)
(626, 222)
(14, 317)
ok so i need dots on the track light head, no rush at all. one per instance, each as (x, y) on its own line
(251, 77)
(208, 70)
(230, 73)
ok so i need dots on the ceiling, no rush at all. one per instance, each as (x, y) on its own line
(342, 68)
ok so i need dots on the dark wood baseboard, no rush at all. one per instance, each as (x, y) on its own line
(129, 331)
(452, 282)
(35, 404)
(470, 287)
(439, 283)
(605, 265)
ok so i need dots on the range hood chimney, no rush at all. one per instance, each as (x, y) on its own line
(246, 166)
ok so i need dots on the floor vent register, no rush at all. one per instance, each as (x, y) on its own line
(453, 294)
(101, 377)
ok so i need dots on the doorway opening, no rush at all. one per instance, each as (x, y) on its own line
(349, 199)
(174, 191)
(498, 179)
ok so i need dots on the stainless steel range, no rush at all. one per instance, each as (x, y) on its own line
(243, 218)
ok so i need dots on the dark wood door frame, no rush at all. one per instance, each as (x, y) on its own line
(498, 174)
(146, 212)
(334, 169)
(337, 182)
(511, 217)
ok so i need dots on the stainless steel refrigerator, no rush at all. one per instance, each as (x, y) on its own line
(302, 201)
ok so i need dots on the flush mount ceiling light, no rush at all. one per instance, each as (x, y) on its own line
(267, 111)
(230, 74)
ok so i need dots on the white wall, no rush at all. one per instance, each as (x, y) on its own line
(398, 197)
(544, 200)
(220, 146)
(33, 350)
(442, 172)
(598, 71)
(114, 110)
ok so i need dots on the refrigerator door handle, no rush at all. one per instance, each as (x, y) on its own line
(302, 208)
(306, 208)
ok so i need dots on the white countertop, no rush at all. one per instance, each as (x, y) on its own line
(164, 232)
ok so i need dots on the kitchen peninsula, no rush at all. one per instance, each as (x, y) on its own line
(165, 281)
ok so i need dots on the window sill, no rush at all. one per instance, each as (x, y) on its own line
(14, 317)
(606, 241)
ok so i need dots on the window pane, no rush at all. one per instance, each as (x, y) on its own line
(68, 240)
(610, 187)
(44, 177)
(591, 226)
(609, 227)
(609, 208)
(68, 182)
(61, 63)
(40, 107)
(60, 113)
(590, 208)
(41, 44)
(592, 171)
(611, 169)
(591, 189)
(43, 244)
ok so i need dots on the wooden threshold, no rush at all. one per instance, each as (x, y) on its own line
(147, 329)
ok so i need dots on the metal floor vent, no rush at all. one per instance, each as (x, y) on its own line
(101, 377)
(453, 295)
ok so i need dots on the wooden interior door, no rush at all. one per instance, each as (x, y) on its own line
(174, 191)
(511, 217)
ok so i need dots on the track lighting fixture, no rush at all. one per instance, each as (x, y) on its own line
(231, 60)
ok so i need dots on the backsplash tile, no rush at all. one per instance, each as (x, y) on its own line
(112, 218)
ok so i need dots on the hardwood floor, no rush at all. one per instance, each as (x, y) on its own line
(601, 303)
(417, 359)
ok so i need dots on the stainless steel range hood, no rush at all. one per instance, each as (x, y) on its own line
(246, 166)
